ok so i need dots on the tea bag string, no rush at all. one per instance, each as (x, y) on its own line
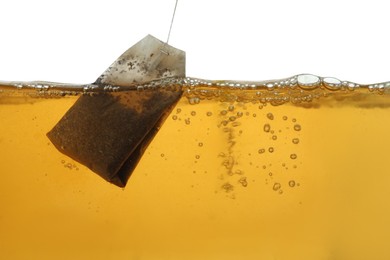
(163, 49)
(173, 17)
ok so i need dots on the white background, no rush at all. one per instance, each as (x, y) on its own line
(74, 41)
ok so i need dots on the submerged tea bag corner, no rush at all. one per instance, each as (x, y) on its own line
(109, 132)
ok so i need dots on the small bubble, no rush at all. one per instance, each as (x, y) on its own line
(200, 144)
(209, 113)
(243, 181)
(276, 186)
(232, 118)
(274, 137)
(187, 121)
(193, 113)
(224, 122)
(270, 116)
(293, 156)
(260, 151)
(223, 112)
(62, 161)
(264, 167)
(178, 110)
(295, 140)
(294, 120)
(254, 115)
(240, 114)
(174, 117)
(197, 156)
(280, 191)
(162, 155)
(231, 108)
(270, 174)
(261, 106)
(266, 128)
(68, 165)
(285, 117)
(297, 127)
(291, 183)
(271, 149)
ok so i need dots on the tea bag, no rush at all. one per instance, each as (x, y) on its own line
(109, 131)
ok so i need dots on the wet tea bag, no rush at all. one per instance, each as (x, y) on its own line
(108, 132)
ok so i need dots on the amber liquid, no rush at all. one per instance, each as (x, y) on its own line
(219, 181)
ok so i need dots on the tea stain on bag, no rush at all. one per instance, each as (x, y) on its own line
(109, 131)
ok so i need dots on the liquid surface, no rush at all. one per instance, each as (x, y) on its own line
(223, 178)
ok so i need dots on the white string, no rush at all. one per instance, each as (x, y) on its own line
(173, 17)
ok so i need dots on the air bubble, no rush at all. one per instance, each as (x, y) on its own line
(209, 114)
(295, 140)
(162, 155)
(174, 117)
(178, 110)
(285, 117)
(231, 108)
(193, 113)
(187, 121)
(270, 116)
(260, 151)
(197, 156)
(297, 127)
(291, 183)
(232, 118)
(274, 137)
(240, 114)
(223, 112)
(200, 144)
(332, 83)
(276, 186)
(308, 81)
(271, 149)
(266, 128)
(293, 156)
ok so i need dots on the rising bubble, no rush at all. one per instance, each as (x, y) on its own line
(276, 186)
(270, 116)
(295, 140)
(297, 127)
(266, 128)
